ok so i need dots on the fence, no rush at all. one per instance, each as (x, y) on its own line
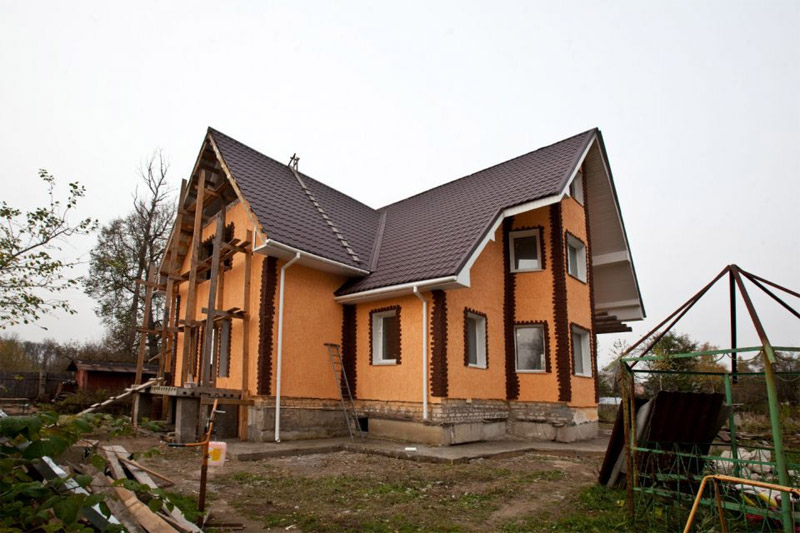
(31, 385)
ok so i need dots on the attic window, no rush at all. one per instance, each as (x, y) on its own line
(526, 253)
(576, 187)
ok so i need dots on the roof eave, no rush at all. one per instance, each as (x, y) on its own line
(280, 250)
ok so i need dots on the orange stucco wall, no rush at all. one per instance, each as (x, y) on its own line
(579, 310)
(312, 317)
(400, 382)
(485, 295)
(231, 284)
(533, 294)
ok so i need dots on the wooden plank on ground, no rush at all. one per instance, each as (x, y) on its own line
(149, 520)
(113, 463)
(176, 516)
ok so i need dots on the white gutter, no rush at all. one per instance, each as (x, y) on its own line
(284, 268)
(275, 245)
(424, 352)
(381, 291)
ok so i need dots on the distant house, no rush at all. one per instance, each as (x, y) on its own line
(466, 312)
(110, 376)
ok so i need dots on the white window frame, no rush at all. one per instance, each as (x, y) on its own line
(586, 350)
(520, 234)
(576, 187)
(378, 337)
(577, 270)
(542, 370)
(480, 347)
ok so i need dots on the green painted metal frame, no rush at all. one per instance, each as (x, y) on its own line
(766, 350)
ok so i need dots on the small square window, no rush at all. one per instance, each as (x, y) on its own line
(475, 329)
(576, 258)
(581, 352)
(576, 187)
(525, 251)
(385, 337)
(529, 345)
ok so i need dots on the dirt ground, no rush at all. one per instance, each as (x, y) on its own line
(346, 491)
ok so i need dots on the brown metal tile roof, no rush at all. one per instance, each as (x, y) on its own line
(286, 213)
(426, 236)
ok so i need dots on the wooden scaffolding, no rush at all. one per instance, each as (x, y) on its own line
(203, 201)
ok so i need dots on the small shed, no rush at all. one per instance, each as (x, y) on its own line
(112, 376)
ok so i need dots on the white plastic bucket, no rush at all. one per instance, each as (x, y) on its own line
(216, 453)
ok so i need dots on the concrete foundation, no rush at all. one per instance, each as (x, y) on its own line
(299, 420)
(187, 417)
(452, 421)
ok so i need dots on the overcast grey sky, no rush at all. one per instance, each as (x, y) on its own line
(697, 101)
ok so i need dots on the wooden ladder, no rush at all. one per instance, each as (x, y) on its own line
(348, 406)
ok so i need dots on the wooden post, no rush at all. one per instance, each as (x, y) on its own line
(205, 371)
(220, 303)
(243, 413)
(167, 339)
(148, 296)
(191, 296)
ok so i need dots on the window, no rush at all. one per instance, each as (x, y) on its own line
(475, 342)
(385, 337)
(576, 258)
(529, 344)
(222, 346)
(576, 187)
(525, 251)
(581, 352)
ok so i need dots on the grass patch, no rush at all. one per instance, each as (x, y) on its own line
(403, 497)
(595, 509)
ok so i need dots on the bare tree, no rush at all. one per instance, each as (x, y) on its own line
(126, 247)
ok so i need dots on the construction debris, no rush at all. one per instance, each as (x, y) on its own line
(120, 465)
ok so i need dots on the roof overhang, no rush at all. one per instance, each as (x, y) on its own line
(617, 294)
(274, 248)
(449, 282)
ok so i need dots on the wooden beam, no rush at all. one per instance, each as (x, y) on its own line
(233, 312)
(243, 411)
(220, 299)
(191, 294)
(148, 296)
(205, 378)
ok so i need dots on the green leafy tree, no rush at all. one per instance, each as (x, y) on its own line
(125, 248)
(30, 273)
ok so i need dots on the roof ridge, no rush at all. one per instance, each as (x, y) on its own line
(336, 231)
(595, 129)
(376, 244)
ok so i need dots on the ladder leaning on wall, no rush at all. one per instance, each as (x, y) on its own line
(348, 406)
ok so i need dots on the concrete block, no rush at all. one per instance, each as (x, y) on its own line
(533, 430)
(577, 432)
(475, 431)
(408, 431)
(187, 419)
(144, 406)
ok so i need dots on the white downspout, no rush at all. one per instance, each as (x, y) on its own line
(284, 268)
(424, 353)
